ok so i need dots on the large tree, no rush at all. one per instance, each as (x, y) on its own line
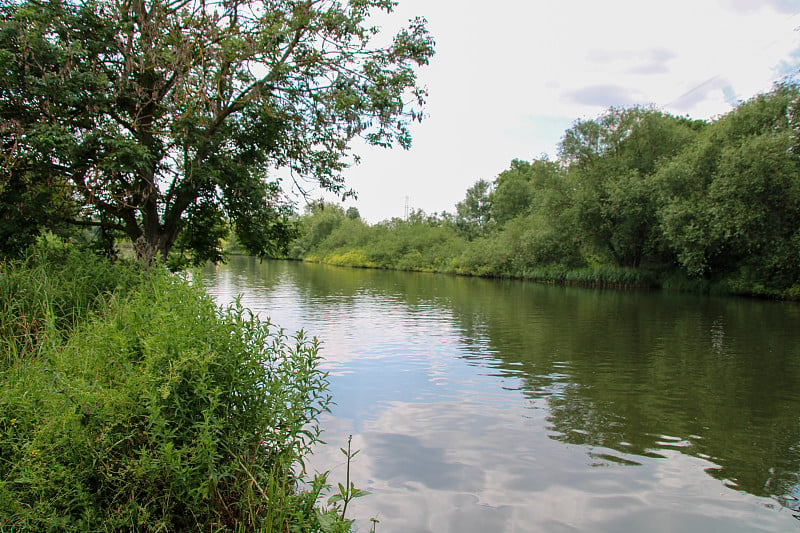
(161, 117)
(731, 201)
(611, 162)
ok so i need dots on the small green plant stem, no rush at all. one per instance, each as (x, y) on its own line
(349, 494)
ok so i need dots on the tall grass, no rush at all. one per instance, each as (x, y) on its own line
(141, 406)
(53, 287)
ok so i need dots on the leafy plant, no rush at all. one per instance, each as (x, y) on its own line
(52, 288)
(348, 491)
(153, 410)
(335, 518)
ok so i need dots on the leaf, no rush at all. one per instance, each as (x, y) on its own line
(358, 493)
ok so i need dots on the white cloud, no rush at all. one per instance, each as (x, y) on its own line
(605, 96)
(641, 62)
(443, 467)
(499, 64)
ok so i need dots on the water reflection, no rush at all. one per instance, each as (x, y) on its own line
(492, 406)
(456, 467)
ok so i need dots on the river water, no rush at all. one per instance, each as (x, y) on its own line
(482, 405)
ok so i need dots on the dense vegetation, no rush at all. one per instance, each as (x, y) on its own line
(129, 402)
(162, 120)
(637, 197)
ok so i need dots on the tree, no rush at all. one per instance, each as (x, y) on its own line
(157, 117)
(513, 192)
(640, 135)
(320, 220)
(731, 205)
(474, 211)
(611, 162)
(525, 187)
(24, 210)
(352, 213)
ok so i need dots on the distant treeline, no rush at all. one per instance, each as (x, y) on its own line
(637, 197)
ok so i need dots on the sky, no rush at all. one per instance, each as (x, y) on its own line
(510, 76)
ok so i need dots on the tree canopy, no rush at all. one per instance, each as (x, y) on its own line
(157, 118)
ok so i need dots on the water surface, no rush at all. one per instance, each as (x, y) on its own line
(482, 405)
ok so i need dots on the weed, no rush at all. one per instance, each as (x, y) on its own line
(133, 403)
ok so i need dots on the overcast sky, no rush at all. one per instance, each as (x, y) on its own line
(509, 76)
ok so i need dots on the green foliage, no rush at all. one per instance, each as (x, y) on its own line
(320, 221)
(25, 210)
(149, 409)
(524, 243)
(414, 244)
(639, 198)
(352, 213)
(525, 188)
(615, 198)
(474, 213)
(420, 243)
(202, 238)
(683, 210)
(732, 203)
(52, 288)
(486, 256)
(347, 491)
(153, 118)
(615, 213)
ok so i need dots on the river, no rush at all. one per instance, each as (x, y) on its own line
(488, 406)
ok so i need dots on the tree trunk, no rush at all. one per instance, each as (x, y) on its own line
(145, 251)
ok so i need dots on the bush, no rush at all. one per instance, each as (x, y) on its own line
(485, 256)
(159, 412)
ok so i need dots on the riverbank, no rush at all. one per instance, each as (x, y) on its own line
(432, 244)
(130, 401)
(601, 277)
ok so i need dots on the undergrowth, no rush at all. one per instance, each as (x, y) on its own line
(132, 403)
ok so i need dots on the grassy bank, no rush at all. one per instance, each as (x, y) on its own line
(591, 277)
(434, 244)
(599, 277)
(129, 402)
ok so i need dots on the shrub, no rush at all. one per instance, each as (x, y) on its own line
(350, 258)
(160, 412)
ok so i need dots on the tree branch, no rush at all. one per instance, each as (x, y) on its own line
(96, 224)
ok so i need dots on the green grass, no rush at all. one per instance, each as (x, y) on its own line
(52, 288)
